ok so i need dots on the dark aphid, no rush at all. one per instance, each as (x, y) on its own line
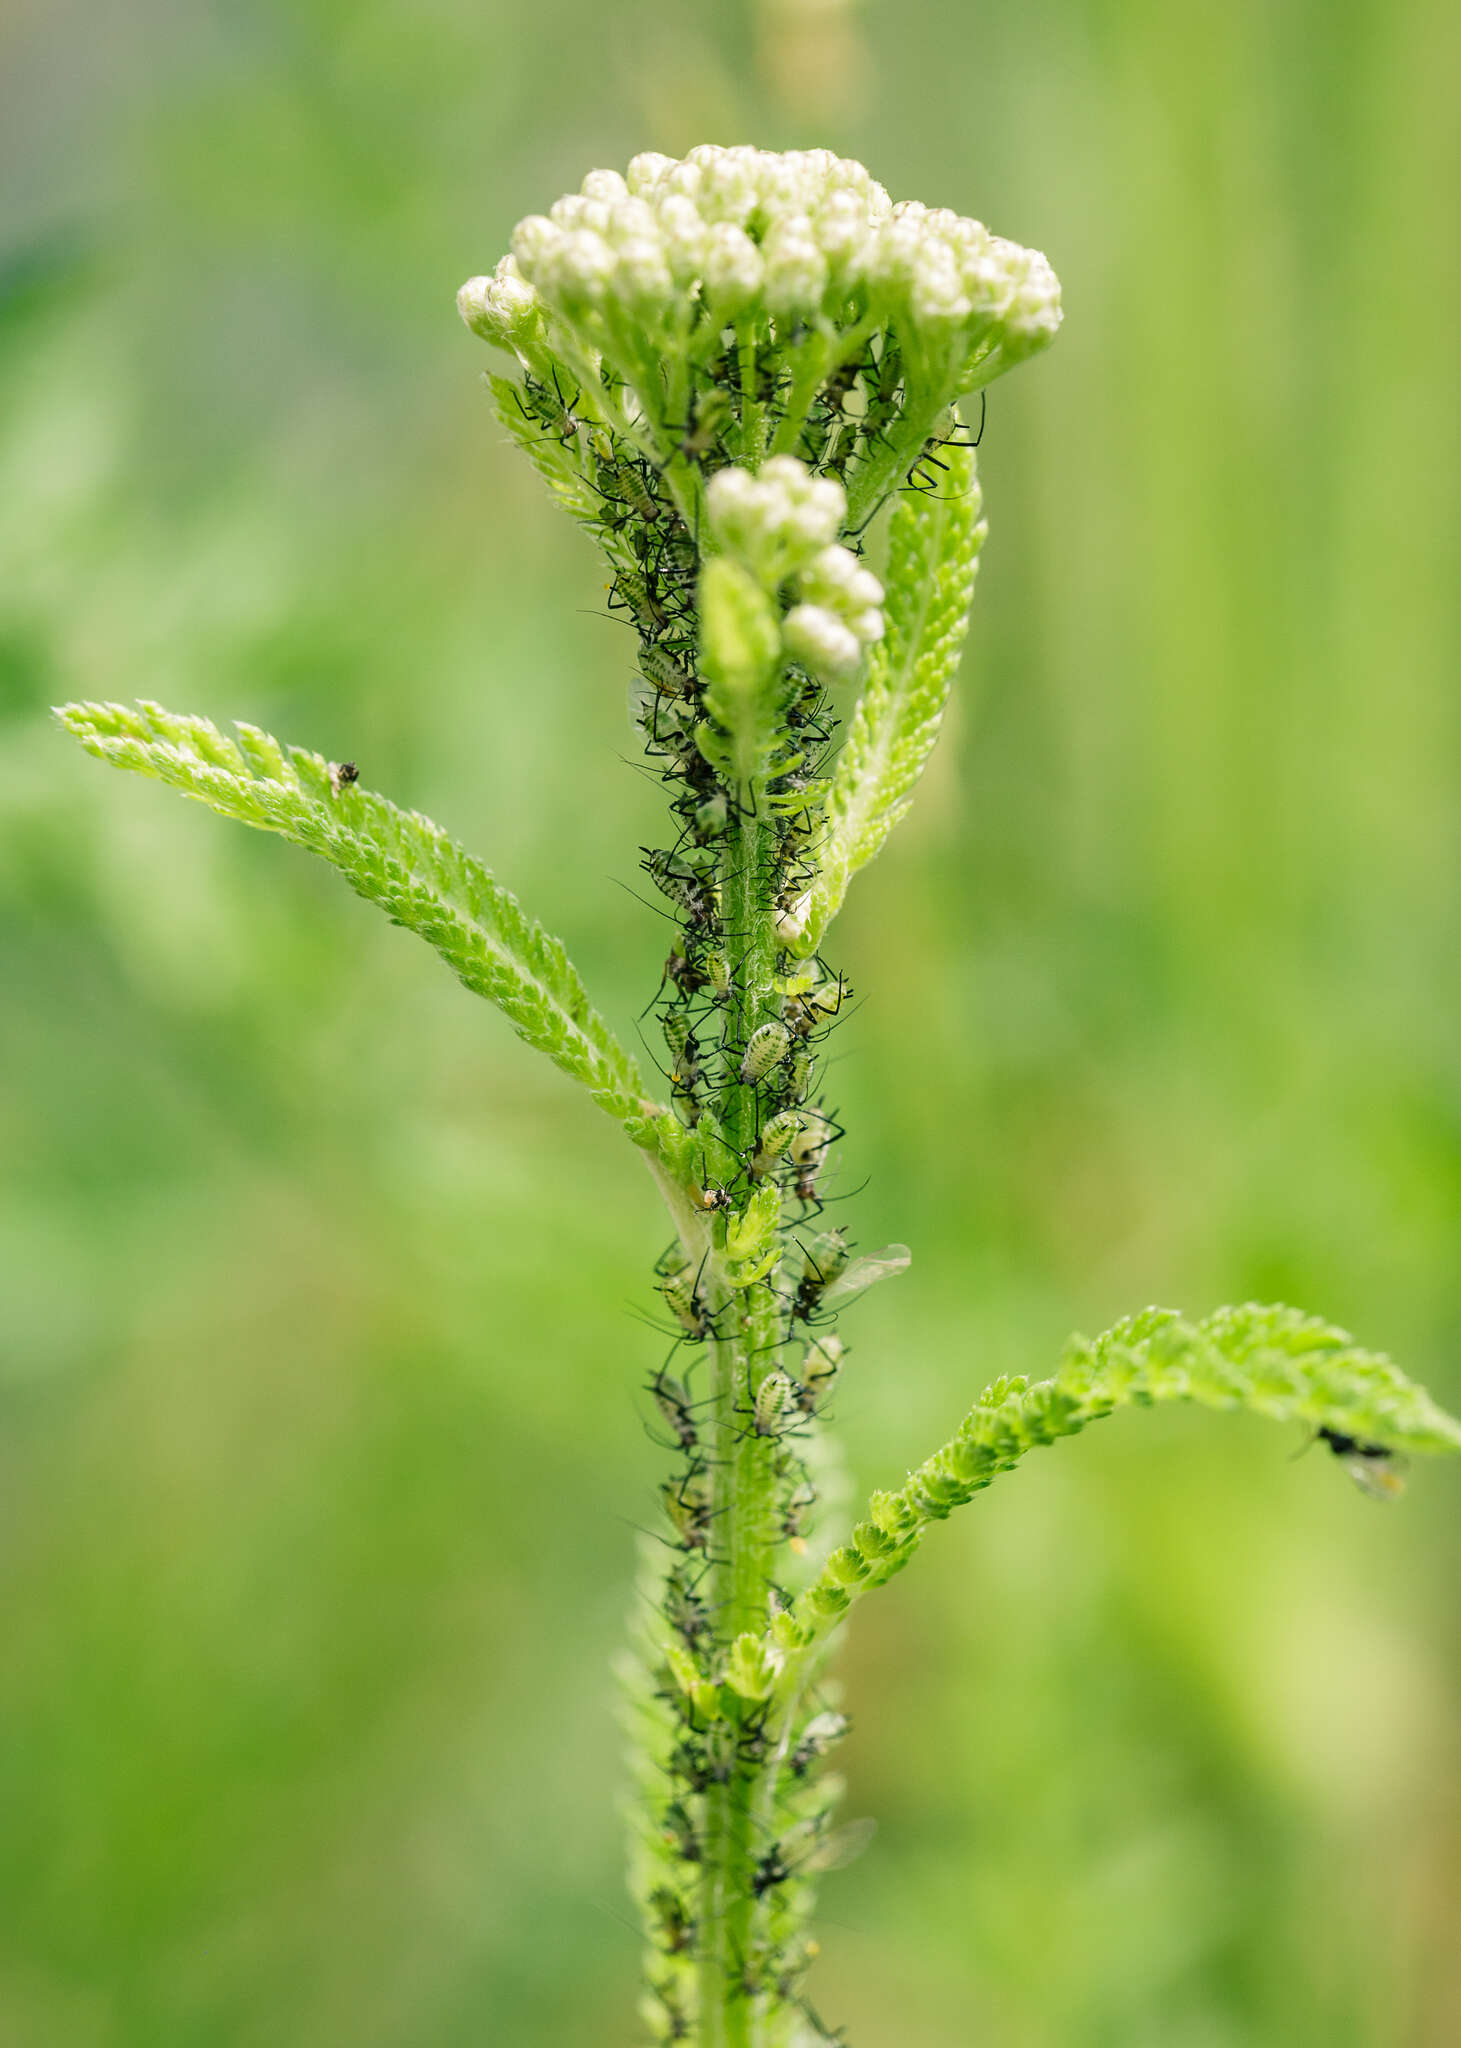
(801, 1500)
(816, 1739)
(676, 2021)
(682, 1299)
(767, 1045)
(770, 1871)
(675, 1928)
(342, 774)
(711, 1198)
(1375, 1470)
(680, 1833)
(685, 1611)
(712, 414)
(673, 1402)
(685, 886)
(687, 1503)
(823, 1259)
(685, 973)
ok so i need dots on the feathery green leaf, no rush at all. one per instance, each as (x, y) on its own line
(933, 556)
(398, 859)
(1274, 1360)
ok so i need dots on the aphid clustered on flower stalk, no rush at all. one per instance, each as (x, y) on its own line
(726, 367)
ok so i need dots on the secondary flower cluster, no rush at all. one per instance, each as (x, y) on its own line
(781, 524)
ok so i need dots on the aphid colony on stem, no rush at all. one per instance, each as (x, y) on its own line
(725, 368)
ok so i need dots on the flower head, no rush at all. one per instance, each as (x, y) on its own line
(828, 322)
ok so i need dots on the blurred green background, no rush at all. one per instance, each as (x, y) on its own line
(320, 1443)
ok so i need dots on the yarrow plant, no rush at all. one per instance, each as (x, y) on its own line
(726, 368)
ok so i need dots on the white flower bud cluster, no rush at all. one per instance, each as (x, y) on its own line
(777, 521)
(795, 236)
(839, 617)
(781, 523)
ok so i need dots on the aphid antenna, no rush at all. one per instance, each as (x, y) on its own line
(643, 901)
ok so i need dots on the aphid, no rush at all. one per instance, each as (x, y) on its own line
(688, 1506)
(687, 975)
(712, 413)
(809, 1149)
(637, 495)
(823, 1259)
(342, 773)
(776, 1138)
(772, 1399)
(805, 1013)
(801, 1499)
(810, 1846)
(682, 1299)
(816, 1739)
(1375, 1470)
(637, 594)
(767, 1044)
(673, 1402)
(683, 884)
(673, 1923)
(548, 407)
(711, 1198)
(797, 1076)
(686, 1071)
(685, 1611)
(710, 817)
(820, 1367)
(680, 1833)
(662, 672)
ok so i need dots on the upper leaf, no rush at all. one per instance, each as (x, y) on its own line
(398, 859)
(933, 556)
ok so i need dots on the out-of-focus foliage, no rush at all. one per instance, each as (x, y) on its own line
(317, 1352)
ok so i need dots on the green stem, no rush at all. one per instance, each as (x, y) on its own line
(744, 1529)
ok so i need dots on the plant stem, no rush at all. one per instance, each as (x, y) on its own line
(743, 1481)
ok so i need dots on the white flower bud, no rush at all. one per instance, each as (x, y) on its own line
(777, 520)
(573, 212)
(630, 220)
(646, 170)
(821, 642)
(500, 308)
(841, 229)
(728, 189)
(578, 269)
(837, 579)
(796, 269)
(644, 277)
(937, 295)
(732, 267)
(532, 239)
(684, 236)
(607, 186)
(1036, 312)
